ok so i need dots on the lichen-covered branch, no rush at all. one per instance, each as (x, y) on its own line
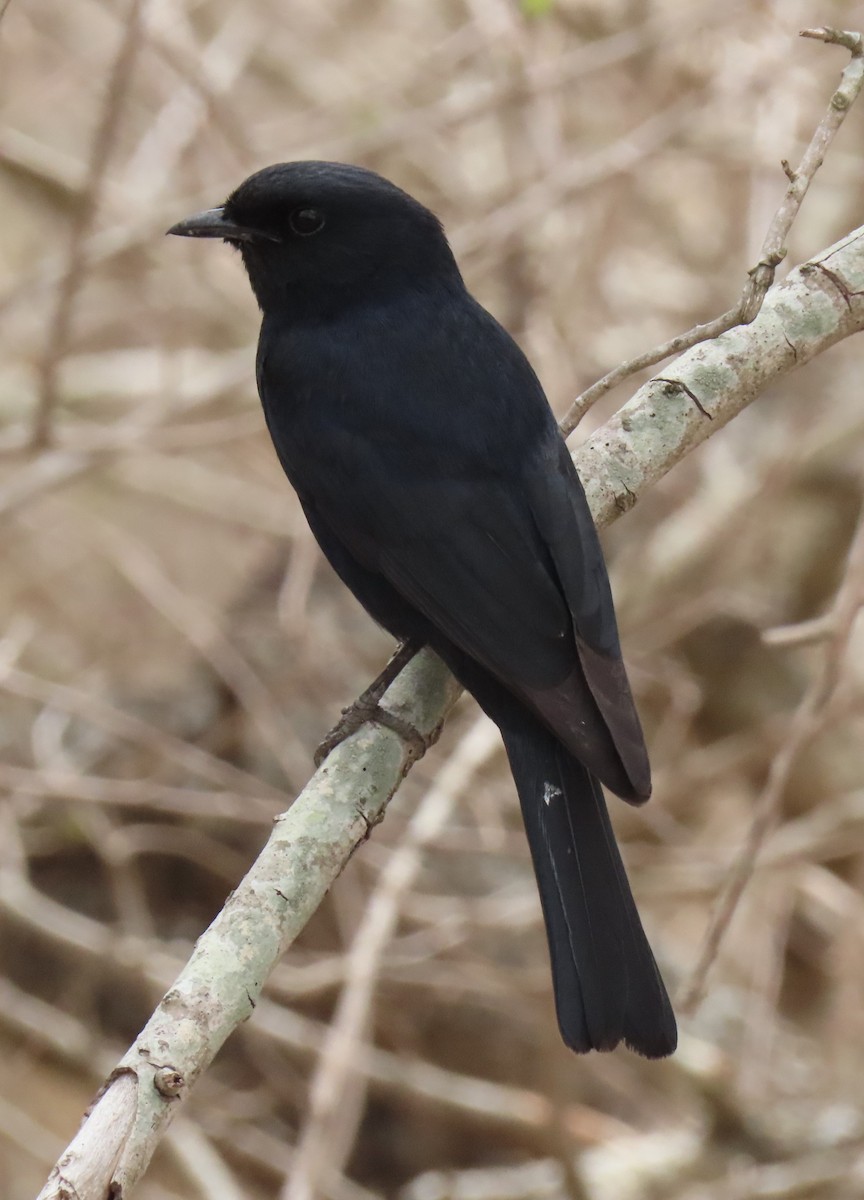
(817, 305)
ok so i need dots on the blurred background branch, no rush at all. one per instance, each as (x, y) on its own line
(60, 325)
(606, 170)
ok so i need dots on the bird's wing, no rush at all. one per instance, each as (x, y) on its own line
(565, 525)
(436, 463)
(509, 568)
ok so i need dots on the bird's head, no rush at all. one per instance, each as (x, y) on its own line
(317, 236)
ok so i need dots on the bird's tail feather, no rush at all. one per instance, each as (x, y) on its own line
(607, 985)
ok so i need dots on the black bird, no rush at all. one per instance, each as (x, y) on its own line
(434, 477)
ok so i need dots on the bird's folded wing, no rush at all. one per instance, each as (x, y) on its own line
(511, 571)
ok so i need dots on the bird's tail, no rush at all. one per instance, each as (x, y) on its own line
(607, 985)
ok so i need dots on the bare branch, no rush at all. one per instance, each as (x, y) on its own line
(761, 276)
(802, 633)
(817, 305)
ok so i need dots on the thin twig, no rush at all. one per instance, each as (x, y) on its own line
(802, 633)
(60, 326)
(807, 721)
(761, 276)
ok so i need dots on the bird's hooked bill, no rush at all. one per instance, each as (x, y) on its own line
(212, 223)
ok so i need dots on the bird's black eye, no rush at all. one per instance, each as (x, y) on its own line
(306, 221)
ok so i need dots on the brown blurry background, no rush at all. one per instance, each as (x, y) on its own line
(172, 647)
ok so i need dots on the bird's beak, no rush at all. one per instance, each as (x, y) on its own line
(212, 223)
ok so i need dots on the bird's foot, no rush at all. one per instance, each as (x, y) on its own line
(366, 708)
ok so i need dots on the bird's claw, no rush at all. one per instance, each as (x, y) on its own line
(366, 708)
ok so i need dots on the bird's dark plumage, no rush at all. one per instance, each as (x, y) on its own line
(433, 475)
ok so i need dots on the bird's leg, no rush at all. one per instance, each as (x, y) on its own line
(366, 708)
